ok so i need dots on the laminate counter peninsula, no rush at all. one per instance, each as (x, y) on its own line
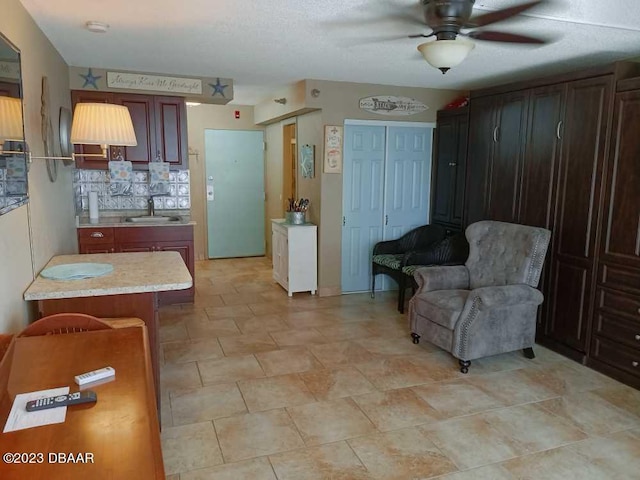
(130, 290)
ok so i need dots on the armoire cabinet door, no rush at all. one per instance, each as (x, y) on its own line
(482, 128)
(584, 134)
(449, 167)
(170, 128)
(506, 164)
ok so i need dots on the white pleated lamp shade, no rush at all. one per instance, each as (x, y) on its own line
(444, 54)
(11, 119)
(102, 124)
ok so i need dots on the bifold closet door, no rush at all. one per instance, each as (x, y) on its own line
(362, 202)
(386, 189)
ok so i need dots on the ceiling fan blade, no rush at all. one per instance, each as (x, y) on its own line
(421, 35)
(499, 15)
(504, 37)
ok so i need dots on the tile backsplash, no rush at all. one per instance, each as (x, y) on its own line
(85, 181)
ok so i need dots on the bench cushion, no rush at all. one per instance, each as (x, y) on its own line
(388, 260)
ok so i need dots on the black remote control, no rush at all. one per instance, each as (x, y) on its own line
(62, 400)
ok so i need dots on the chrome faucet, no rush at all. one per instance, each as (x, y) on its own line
(150, 207)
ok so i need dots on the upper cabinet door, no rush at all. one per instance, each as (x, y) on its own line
(482, 132)
(142, 115)
(171, 131)
(542, 155)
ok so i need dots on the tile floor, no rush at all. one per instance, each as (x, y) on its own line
(259, 386)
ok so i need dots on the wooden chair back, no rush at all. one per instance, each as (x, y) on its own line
(64, 323)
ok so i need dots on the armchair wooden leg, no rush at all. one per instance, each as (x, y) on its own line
(464, 365)
(373, 285)
(528, 353)
(415, 337)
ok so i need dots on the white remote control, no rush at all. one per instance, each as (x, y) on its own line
(94, 376)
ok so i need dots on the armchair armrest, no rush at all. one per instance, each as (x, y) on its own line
(507, 296)
(441, 278)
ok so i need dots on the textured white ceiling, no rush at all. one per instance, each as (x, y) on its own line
(264, 45)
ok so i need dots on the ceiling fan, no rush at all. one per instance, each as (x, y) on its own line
(448, 19)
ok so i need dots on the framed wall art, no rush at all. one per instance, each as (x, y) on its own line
(307, 161)
(333, 141)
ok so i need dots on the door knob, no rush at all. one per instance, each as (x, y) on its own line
(638, 337)
(634, 364)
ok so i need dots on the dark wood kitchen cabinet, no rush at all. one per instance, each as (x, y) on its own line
(145, 239)
(615, 336)
(449, 168)
(160, 124)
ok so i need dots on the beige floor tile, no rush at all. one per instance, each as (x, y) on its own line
(558, 464)
(345, 331)
(618, 453)
(570, 377)
(188, 447)
(623, 397)
(389, 346)
(257, 469)
(514, 387)
(348, 314)
(337, 354)
(173, 332)
(387, 327)
(206, 403)
(291, 360)
(308, 319)
(191, 351)
(396, 409)
(266, 308)
(170, 315)
(472, 442)
(392, 372)
(232, 369)
(401, 455)
(438, 365)
(213, 288)
(263, 287)
(203, 327)
(178, 376)
(298, 336)
(533, 427)
(336, 462)
(330, 421)
(172, 477)
(457, 397)
(263, 323)
(249, 343)
(274, 392)
(499, 363)
(490, 472)
(243, 298)
(591, 413)
(207, 300)
(220, 313)
(256, 434)
(339, 383)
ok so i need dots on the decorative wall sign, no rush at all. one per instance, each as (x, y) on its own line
(307, 161)
(392, 105)
(333, 137)
(142, 81)
(211, 90)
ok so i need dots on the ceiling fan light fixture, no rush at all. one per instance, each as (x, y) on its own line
(444, 54)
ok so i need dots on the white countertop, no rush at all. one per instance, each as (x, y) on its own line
(120, 221)
(132, 273)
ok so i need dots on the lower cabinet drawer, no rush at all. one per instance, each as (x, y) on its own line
(616, 355)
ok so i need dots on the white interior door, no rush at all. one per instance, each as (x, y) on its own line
(362, 202)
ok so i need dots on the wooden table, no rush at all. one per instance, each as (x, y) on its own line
(120, 430)
(129, 291)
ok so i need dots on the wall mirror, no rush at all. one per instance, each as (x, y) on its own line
(13, 159)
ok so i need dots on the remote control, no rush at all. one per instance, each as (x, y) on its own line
(94, 375)
(61, 400)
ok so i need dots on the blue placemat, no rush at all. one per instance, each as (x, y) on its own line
(77, 271)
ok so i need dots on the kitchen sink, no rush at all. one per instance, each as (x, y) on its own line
(153, 219)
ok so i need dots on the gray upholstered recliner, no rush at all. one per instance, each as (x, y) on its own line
(487, 306)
